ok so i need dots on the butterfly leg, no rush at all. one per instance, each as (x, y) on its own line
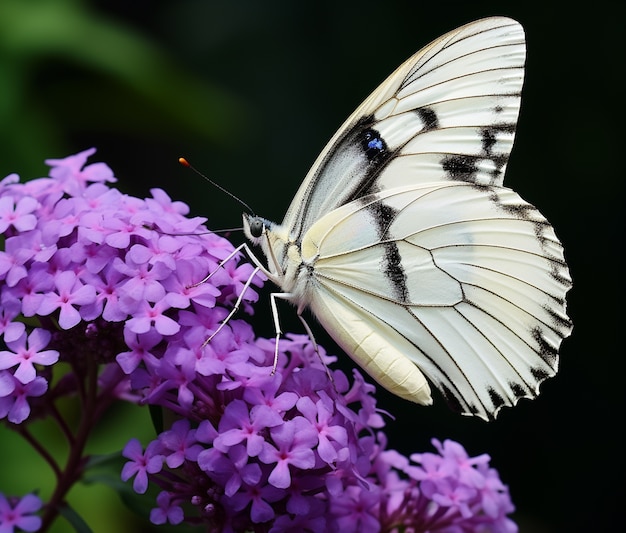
(287, 296)
(235, 307)
(273, 297)
(220, 265)
(309, 332)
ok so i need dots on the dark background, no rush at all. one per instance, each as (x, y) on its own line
(251, 91)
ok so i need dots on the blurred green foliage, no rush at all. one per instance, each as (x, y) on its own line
(65, 70)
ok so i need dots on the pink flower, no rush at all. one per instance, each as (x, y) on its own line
(69, 295)
(26, 352)
(19, 513)
(17, 214)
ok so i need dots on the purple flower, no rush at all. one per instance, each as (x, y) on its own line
(8, 328)
(179, 444)
(239, 424)
(260, 499)
(140, 465)
(17, 214)
(331, 438)
(26, 352)
(294, 441)
(19, 513)
(120, 231)
(13, 261)
(357, 510)
(166, 512)
(461, 491)
(73, 175)
(14, 396)
(231, 469)
(69, 294)
(29, 291)
(140, 351)
(149, 316)
(106, 281)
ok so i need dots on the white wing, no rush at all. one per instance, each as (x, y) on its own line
(449, 112)
(467, 283)
(407, 247)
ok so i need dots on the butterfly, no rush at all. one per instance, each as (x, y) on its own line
(406, 246)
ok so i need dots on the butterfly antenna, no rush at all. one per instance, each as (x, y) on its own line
(225, 231)
(186, 163)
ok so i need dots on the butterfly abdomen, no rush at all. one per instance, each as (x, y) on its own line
(380, 352)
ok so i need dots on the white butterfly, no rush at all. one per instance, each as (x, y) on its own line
(406, 246)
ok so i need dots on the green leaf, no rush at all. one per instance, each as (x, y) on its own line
(74, 519)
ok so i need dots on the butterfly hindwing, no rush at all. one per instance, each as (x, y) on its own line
(467, 282)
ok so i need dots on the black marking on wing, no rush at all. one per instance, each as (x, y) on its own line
(518, 390)
(391, 262)
(558, 319)
(377, 151)
(489, 139)
(373, 145)
(392, 267)
(464, 167)
(428, 117)
(546, 351)
(489, 135)
(557, 269)
(496, 399)
(460, 167)
(539, 374)
(520, 210)
(378, 155)
(357, 157)
(453, 400)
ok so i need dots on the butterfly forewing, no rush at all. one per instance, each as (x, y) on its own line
(407, 247)
(448, 112)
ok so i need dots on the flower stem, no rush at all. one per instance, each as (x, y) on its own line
(76, 461)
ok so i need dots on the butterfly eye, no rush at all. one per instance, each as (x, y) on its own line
(373, 144)
(256, 227)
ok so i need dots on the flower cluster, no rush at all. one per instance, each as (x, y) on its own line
(107, 276)
(127, 292)
(297, 452)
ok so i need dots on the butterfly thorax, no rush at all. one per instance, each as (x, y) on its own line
(284, 259)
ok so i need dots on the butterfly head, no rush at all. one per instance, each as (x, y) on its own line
(253, 227)
(282, 254)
